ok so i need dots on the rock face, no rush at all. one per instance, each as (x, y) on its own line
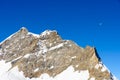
(48, 53)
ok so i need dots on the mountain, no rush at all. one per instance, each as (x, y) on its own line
(28, 56)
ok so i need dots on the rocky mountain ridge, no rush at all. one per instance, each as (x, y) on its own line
(48, 53)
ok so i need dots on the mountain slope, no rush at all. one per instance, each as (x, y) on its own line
(28, 56)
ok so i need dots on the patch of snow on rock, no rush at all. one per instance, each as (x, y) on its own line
(97, 66)
(36, 69)
(104, 68)
(92, 78)
(51, 67)
(56, 47)
(37, 35)
(76, 65)
(74, 57)
(27, 56)
(100, 65)
(17, 58)
(47, 32)
(114, 78)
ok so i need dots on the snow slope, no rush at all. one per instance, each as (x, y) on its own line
(13, 74)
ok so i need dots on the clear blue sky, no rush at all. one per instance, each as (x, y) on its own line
(87, 22)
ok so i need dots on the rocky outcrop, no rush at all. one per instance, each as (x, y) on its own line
(49, 53)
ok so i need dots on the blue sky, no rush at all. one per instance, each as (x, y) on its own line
(87, 22)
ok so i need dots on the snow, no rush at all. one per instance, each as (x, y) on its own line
(16, 58)
(114, 78)
(100, 65)
(73, 57)
(68, 74)
(51, 67)
(56, 47)
(27, 56)
(4, 67)
(47, 32)
(92, 78)
(0, 53)
(50, 44)
(30, 33)
(104, 68)
(71, 74)
(44, 50)
(43, 47)
(14, 74)
(76, 65)
(36, 69)
(97, 66)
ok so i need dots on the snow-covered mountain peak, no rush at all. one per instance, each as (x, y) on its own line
(23, 29)
(28, 56)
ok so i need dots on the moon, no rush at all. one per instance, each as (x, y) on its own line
(100, 24)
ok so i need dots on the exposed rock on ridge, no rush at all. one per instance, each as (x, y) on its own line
(49, 53)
